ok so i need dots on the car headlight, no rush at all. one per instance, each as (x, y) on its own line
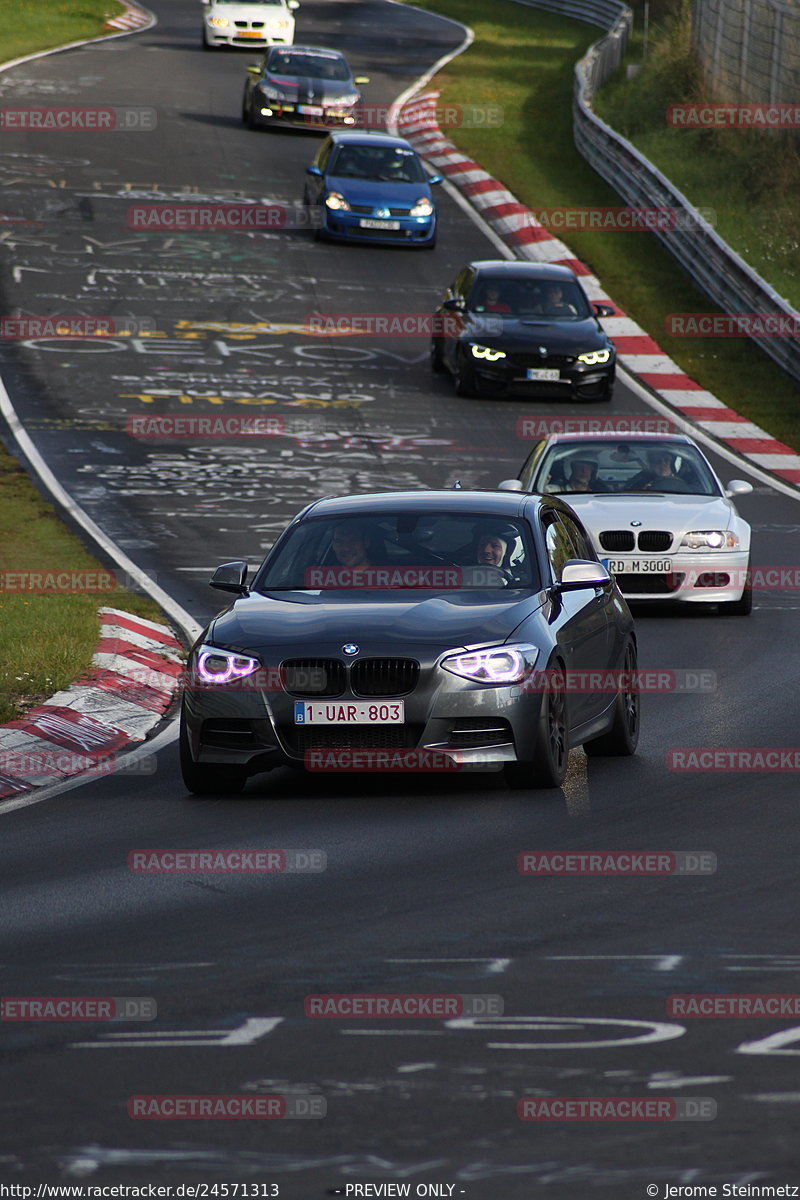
(710, 539)
(487, 352)
(221, 666)
(500, 665)
(269, 92)
(218, 22)
(421, 207)
(593, 358)
(336, 202)
(350, 98)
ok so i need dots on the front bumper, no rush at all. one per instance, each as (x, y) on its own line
(270, 113)
(574, 383)
(345, 226)
(227, 37)
(689, 577)
(470, 726)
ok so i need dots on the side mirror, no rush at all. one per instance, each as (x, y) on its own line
(455, 304)
(254, 69)
(510, 485)
(738, 487)
(603, 310)
(361, 79)
(435, 178)
(230, 577)
(314, 171)
(579, 574)
(293, 4)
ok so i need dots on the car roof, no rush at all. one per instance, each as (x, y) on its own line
(521, 270)
(364, 138)
(444, 500)
(610, 436)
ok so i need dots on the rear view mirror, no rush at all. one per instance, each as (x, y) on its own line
(738, 487)
(435, 178)
(361, 79)
(230, 577)
(603, 310)
(580, 573)
(454, 304)
(253, 69)
(314, 171)
(510, 485)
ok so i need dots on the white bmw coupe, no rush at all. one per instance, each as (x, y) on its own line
(661, 521)
(248, 23)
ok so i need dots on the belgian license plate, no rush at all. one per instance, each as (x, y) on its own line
(369, 223)
(638, 566)
(310, 110)
(542, 374)
(349, 712)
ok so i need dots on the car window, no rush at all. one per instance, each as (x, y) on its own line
(324, 154)
(314, 66)
(624, 466)
(406, 545)
(550, 300)
(385, 164)
(578, 539)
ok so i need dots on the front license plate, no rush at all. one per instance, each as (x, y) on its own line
(542, 374)
(369, 223)
(350, 712)
(249, 33)
(638, 566)
(310, 110)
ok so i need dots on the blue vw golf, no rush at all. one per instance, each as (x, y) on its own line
(371, 187)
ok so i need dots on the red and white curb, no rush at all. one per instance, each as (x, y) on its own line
(636, 350)
(133, 18)
(135, 675)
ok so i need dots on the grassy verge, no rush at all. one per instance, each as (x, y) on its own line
(48, 638)
(31, 25)
(750, 178)
(523, 60)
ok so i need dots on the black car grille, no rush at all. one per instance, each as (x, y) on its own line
(314, 677)
(249, 24)
(384, 676)
(361, 208)
(381, 233)
(649, 585)
(528, 359)
(617, 539)
(368, 208)
(655, 540)
(302, 738)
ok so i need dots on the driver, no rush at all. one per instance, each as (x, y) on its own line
(659, 474)
(350, 545)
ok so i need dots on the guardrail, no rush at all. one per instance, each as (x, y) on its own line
(712, 264)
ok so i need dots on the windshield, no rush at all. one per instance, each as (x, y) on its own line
(437, 552)
(313, 66)
(545, 299)
(217, 3)
(624, 466)
(385, 163)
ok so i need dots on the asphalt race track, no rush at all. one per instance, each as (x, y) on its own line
(421, 893)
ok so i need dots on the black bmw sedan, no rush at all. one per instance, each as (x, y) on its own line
(414, 631)
(522, 328)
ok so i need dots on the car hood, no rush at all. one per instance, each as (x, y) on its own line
(373, 192)
(656, 510)
(311, 623)
(308, 87)
(560, 337)
(249, 12)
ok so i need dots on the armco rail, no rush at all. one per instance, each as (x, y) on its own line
(716, 268)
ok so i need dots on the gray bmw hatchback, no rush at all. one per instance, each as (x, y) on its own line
(426, 630)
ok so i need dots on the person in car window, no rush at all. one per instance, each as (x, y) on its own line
(494, 302)
(350, 544)
(582, 477)
(491, 549)
(659, 475)
(554, 304)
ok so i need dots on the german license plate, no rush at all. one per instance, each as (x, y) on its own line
(310, 110)
(542, 374)
(369, 223)
(349, 712)
(638, 566)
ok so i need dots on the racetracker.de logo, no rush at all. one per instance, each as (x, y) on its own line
(165, 425)
(445, 116)
(324, 578)
(78, 1008)
(643, 680)
(31, 329)
(395, 324)
(384, 760)
(732, 325)
(623, 219)
(734, 116)
(616, 1108)
(73, 119)
(743, 1004)
(617, 862)
(45, 581)
(402, 1005)
(225, 218)
(746, 759)
(252, 861)
(58, 762)
(294, 1106)
(537, 428)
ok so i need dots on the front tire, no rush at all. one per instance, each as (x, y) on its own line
(208, 779)
(623, 736)
(437, 362)
(464, 378)
(548, 767)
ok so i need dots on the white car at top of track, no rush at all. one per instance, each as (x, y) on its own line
(248, 23)
(660, 519)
